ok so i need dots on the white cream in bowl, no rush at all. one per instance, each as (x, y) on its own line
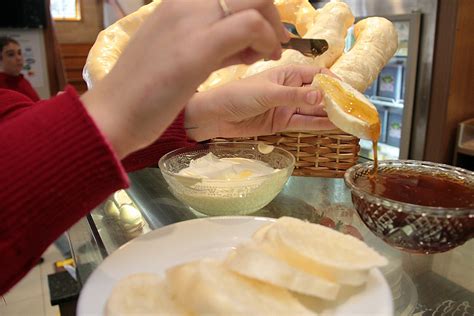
(212, 167)
(227, 178)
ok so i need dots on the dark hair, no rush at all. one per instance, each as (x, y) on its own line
(5, 40)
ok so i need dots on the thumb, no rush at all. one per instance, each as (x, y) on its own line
(294, 96)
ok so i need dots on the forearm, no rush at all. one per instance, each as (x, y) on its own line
(55, 167)
(131, 114)
(173, 138)
(200, 119)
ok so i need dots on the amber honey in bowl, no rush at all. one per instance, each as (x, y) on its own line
(419, 189)
(416, 206)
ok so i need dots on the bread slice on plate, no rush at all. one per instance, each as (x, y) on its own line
(319, 250)
(206, 287)
(253, 261)
(142, 294)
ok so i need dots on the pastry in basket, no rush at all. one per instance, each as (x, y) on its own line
(376, 42)
(330, 23)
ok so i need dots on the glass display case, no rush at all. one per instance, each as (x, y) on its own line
(393, 91)
(411, 277)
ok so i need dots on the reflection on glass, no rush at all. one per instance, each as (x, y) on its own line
(387, 93)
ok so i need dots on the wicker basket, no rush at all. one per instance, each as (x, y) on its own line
(318, 154)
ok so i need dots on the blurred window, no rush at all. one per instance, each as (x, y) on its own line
(66, 10)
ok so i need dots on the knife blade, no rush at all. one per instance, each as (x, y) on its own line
(307, 46)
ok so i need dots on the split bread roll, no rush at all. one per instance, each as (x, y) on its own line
(348, 109)
(206, 287)
(111, 42)
(376, 42)
(320, 251)
(346, 106)
(141, 294)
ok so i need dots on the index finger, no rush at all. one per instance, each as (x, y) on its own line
(293, 75)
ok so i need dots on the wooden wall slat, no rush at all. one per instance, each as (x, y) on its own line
(461, 92)
(74, 57)
(75, 49)
(453, 78)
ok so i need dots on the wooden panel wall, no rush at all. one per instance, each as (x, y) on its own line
(74, 58)
(56, 72)
(452, 99)
(86, 30)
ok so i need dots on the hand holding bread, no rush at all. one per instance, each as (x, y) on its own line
(272, 101)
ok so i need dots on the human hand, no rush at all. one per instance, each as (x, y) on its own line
(175, 50)
(273, 101)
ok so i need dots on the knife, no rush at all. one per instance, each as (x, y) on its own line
(306, 46)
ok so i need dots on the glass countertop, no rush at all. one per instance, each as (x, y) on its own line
(421, 284)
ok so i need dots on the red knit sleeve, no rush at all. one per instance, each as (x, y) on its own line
(28, 89)
(55, 166)
(12, 103)
(173, 138)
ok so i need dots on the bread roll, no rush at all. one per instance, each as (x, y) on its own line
(111, 42)
(206, 287)
(297, 12)
(130, 218)
(331, 23)
(111, 210)
(376, 42)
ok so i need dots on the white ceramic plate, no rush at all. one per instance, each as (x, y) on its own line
(205, 237)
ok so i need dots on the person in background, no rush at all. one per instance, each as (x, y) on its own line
(11, 64)
(62, 157)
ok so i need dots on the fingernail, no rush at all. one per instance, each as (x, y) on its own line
(312, 97)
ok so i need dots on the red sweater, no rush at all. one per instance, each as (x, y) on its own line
(19, 84)
(56, 166)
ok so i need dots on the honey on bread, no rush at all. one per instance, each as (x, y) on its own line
(353, 106)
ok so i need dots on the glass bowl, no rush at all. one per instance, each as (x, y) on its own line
(410, 227)
(224, 197)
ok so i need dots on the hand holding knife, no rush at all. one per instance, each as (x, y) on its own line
(308, 47)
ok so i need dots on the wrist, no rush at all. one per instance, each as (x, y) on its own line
(200, 120)
(107, 122)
